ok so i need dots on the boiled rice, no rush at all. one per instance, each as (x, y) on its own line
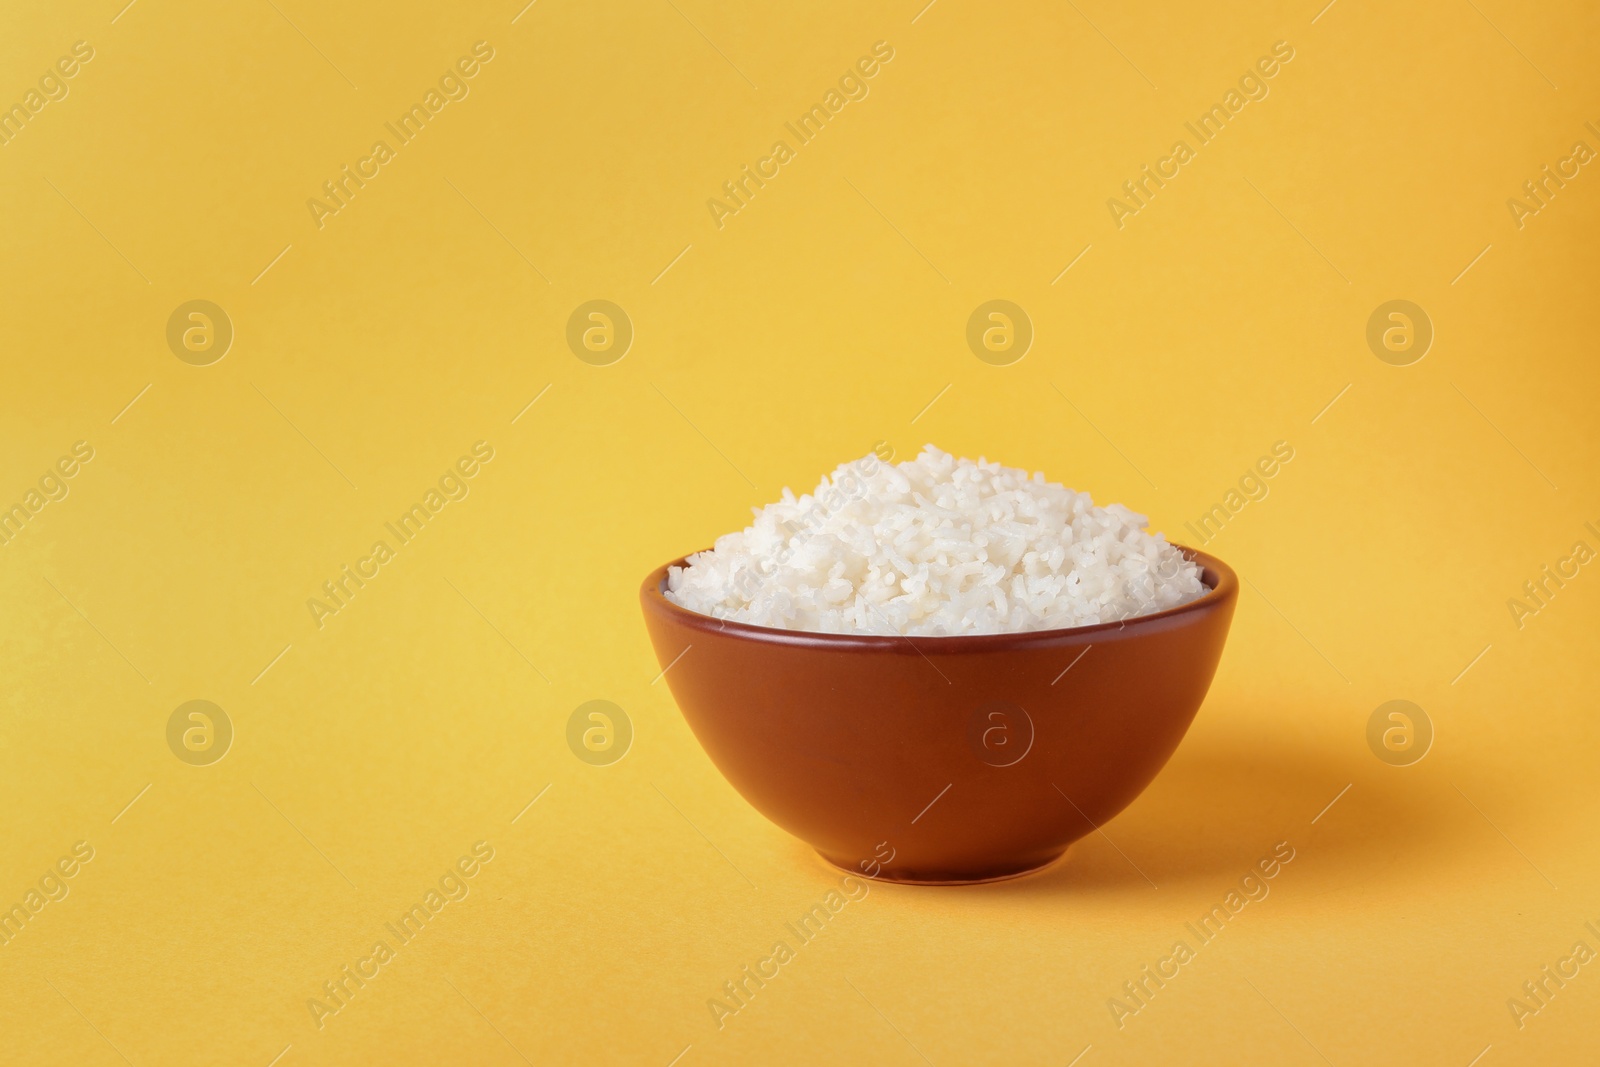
(936, 546)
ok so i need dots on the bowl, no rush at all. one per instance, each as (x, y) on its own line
(942, 760)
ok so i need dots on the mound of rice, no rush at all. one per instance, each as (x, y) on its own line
(936, 546)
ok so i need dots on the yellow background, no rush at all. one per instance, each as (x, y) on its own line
(820, 319)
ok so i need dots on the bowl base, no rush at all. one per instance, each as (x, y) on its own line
(1001, 875)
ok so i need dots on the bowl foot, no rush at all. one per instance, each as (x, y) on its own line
(917, 878)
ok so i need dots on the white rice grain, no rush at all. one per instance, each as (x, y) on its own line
(937, 547)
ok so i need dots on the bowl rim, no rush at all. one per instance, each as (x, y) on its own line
(1224, 589)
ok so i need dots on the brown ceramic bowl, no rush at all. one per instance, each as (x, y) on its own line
(942, 759)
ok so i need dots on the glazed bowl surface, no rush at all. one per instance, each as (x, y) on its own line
(942, 759)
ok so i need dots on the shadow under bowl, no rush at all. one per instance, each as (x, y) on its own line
(942, 760)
